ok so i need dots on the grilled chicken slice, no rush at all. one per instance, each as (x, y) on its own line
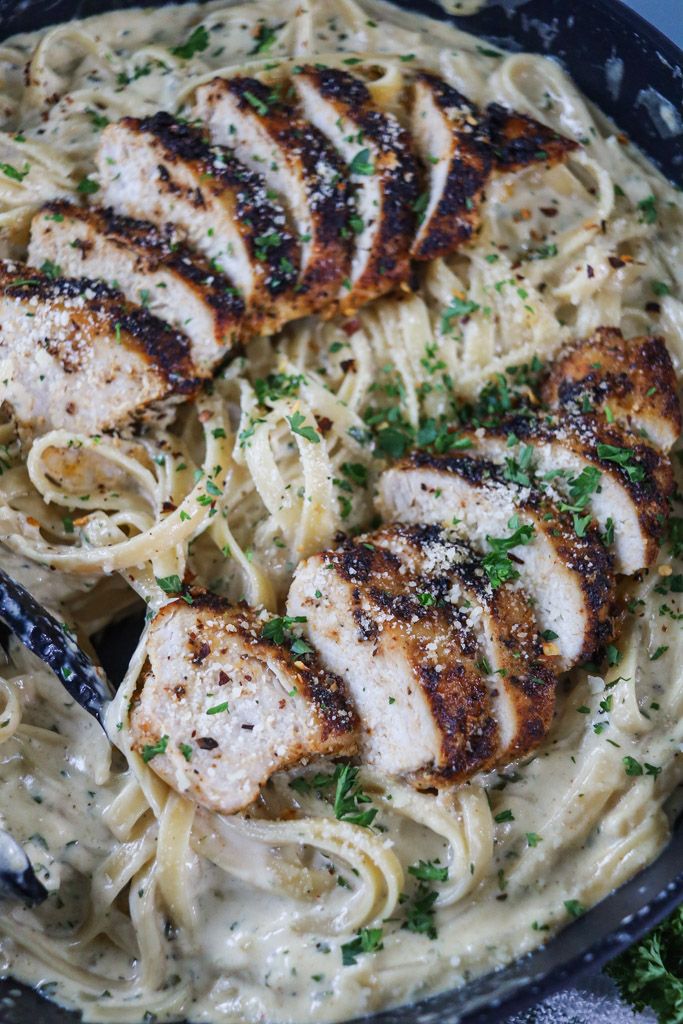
(299, 165)
(409, 664)
(521, 682)
(518, 141)
(75, 354)
(149, 265)
(161, 170)
(382, 170)
(626, 485)
(634, 380)
(568, 578)
(452, 141)
(221, 708)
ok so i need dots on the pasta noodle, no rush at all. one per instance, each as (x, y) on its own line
(167, 911)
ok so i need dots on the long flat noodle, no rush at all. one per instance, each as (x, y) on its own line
(42, 634)
(518, 140)
(17, 878)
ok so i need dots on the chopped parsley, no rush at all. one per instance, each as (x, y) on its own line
(420, 912)
(296, 422)
(150, 750)
(361, 163)
(497, 563)
(428, 871)
(623, 457)
(197, 42)
(367, 940)
(169, 584)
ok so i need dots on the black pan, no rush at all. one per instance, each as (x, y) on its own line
(583, 35)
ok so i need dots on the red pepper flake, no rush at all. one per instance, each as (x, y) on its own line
(324, 424)
(348, 365)
(615, 262)
(653, 307)
(589, 270)
(201, 653)
(207, 743)
(223, 678)
(351, 326)
(549, 211)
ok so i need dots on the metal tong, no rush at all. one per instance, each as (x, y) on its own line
(41, 633)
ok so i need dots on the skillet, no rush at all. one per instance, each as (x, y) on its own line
(584, 35)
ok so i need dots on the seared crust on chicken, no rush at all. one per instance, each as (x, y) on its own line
(75, 354)
(383, 171)
(451, 139)
(634, 379)
(149, 265)
(161, 170)
(409, 664)
(569, 578)
(631, 495)
(518, 140)
(233, 706)
(521, 682)
(297, 163)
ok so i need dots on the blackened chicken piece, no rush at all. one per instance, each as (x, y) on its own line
(151, 266)
(632, 381)
(600, 470)
(409, 664)
(519, 674)
(74, 354)
(221, 708)
(161, 170)
(518, 140)
(299, 166)
(569, 578)
(451, 139)
(382, 171)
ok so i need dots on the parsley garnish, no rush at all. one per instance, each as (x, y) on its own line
(265, 37)
(87, 187)
(497, 563)
(169, 584)
(13, 173)
(457, 309)
(361, 163)
(648, 210)
(279, 629)
(151, 750)
(622, 457)
(296, 421)
(349, 796)
(368, 940)
(420, 913)
(651, 972)
(197, 42)
(428, 871)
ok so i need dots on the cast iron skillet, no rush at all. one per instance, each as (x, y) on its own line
(583, 34)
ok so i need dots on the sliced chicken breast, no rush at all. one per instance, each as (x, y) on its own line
(299, 165)
(451, 139)
(382, 170)
(628, 484)
(518, 140)
(409, 664)
(151, 266)
(75, 354)
(161, 170)
(221, 708)
(632, 381)
(569, 579)
(519, 675)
